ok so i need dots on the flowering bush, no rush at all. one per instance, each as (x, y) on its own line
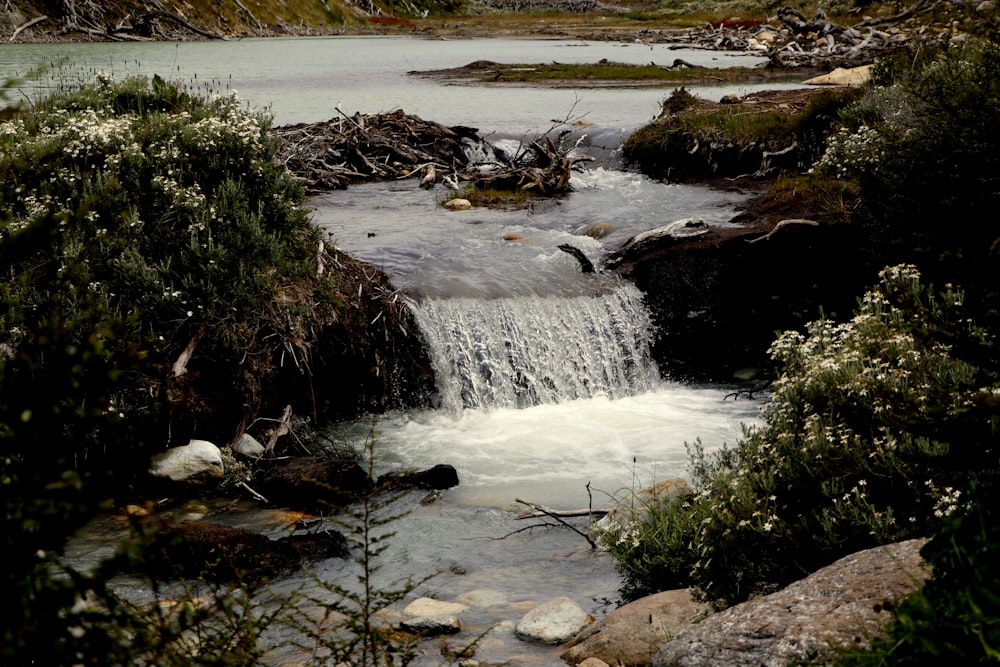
(850, 153)
(172, 214)
(873, 429)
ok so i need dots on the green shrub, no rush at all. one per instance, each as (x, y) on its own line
(955, 618)
(135, 220)
(182, 227)
(873, 424)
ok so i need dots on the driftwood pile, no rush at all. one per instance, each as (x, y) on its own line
(392, 146)
(790, 39)
(93, 19)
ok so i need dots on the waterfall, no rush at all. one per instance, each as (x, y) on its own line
(529, 350)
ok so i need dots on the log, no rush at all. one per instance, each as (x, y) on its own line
(783, 225)
(26, 25)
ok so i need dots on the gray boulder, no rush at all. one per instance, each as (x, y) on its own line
(843, 604)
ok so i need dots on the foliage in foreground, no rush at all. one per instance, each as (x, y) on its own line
(955, 618)
(875, 429)
(136, 222)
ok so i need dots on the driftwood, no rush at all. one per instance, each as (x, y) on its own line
(553, 515)
(789, 39)
(784, 224)
(392, 146)
(26, 25)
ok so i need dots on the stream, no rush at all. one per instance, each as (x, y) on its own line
(546, 388)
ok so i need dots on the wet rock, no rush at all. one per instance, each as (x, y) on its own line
(632, 634)
(432, 607)
(199, 459)
(553, 622)
(205, 550)
(598, 230)
(843, 604)
(458, 204)
(432, 625)
(441, 476)
(313, 483)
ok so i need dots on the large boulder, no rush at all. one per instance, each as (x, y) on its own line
(635, 507)
(718, 298)
(631, 635)
(313, 483)
(843, 604)
(195, 461)
(219, 553)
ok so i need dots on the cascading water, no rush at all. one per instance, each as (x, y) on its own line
(523, 351)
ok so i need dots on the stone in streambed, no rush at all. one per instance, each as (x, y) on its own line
(553, 622)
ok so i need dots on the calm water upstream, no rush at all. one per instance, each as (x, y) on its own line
(546, 391)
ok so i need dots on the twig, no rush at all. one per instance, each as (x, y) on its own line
(254, 493)
(546, 512)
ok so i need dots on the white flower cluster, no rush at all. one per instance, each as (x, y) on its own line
(852, 153)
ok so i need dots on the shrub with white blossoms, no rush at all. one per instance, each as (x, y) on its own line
(863, 415)
(169, 209)
(850, 153)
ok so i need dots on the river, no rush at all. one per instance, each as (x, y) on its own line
(546, 390)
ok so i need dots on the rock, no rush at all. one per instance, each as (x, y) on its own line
(432, 625)
(636, 505)
(204, 550)
(592, 662)
(699, 295)
(313, 483)
(482, 598)
(632, 634)
(458, 204)
(553, 622)
(249, 447)
(598, 230)
(854, 76)
(731, 98)
(441, 476)
(196, 460)
(843, 604)
(432, 607)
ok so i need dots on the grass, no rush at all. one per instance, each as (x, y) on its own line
(604, 71)
(509, 200)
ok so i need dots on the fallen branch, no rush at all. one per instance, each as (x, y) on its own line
(544, 511)
(25, 26)
(782, 225)
(562, 513)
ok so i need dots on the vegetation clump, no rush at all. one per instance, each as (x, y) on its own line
(883, 427)
(875, 427)
(696, 139)
(161, 280)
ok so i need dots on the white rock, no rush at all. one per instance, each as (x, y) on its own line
(249, 447)
(198, 457)
(432, 607)
(553, 622)
(854, 76)
(458, 204)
